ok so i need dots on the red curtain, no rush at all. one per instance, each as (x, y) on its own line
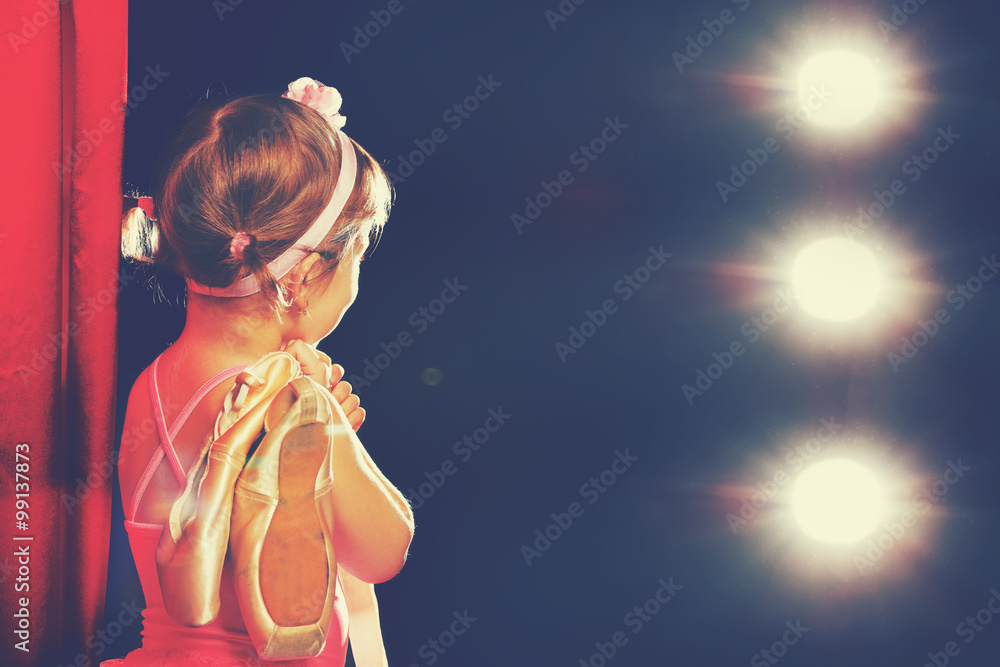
(63, 69)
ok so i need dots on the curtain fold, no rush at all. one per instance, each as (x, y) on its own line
(63, 71)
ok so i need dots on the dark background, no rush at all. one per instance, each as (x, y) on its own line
(655, 185)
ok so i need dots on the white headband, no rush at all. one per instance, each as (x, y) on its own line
(308, 242)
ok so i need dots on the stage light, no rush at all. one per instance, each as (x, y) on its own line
(837, 501)
(836, 279)
(841, 88)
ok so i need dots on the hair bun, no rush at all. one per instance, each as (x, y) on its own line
(140, 236)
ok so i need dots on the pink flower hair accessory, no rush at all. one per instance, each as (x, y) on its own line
(239, 244)
(323, 99)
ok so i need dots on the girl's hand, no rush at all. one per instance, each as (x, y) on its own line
(315, 364)
(318, 366)
(349, 402)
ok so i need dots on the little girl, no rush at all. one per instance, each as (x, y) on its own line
(266, 208)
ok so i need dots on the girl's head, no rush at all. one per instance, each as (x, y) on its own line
(260, 170)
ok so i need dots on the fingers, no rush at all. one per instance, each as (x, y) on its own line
(341, 391)
(357, 418)
(318, 366)
(315, 364)
(304, 352)
(294, 347)
(350, 404)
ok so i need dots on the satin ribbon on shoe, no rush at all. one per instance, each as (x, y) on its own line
(192, 548)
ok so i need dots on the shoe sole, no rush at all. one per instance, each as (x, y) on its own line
(295, 596)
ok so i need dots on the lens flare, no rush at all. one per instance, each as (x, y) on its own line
(836, 279)
(841, 88)
(837, 501)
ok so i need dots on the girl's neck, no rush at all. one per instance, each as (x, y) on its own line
(227, 335)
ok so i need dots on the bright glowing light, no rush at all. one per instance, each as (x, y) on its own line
(836, 279)
(840, 88)
(837, 501)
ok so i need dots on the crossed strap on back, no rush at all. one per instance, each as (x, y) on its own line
(166, 447)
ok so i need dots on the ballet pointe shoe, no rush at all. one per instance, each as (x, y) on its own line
(192, 547)
(281, 539)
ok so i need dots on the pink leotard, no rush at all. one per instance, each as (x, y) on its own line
(224, 642)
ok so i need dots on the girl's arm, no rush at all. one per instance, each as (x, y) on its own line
(373, 518)
(365, 630)
(318, 366)
(374, 524)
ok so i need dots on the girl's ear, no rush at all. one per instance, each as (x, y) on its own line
(296, 277)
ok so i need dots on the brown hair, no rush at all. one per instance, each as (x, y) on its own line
(263, 165)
